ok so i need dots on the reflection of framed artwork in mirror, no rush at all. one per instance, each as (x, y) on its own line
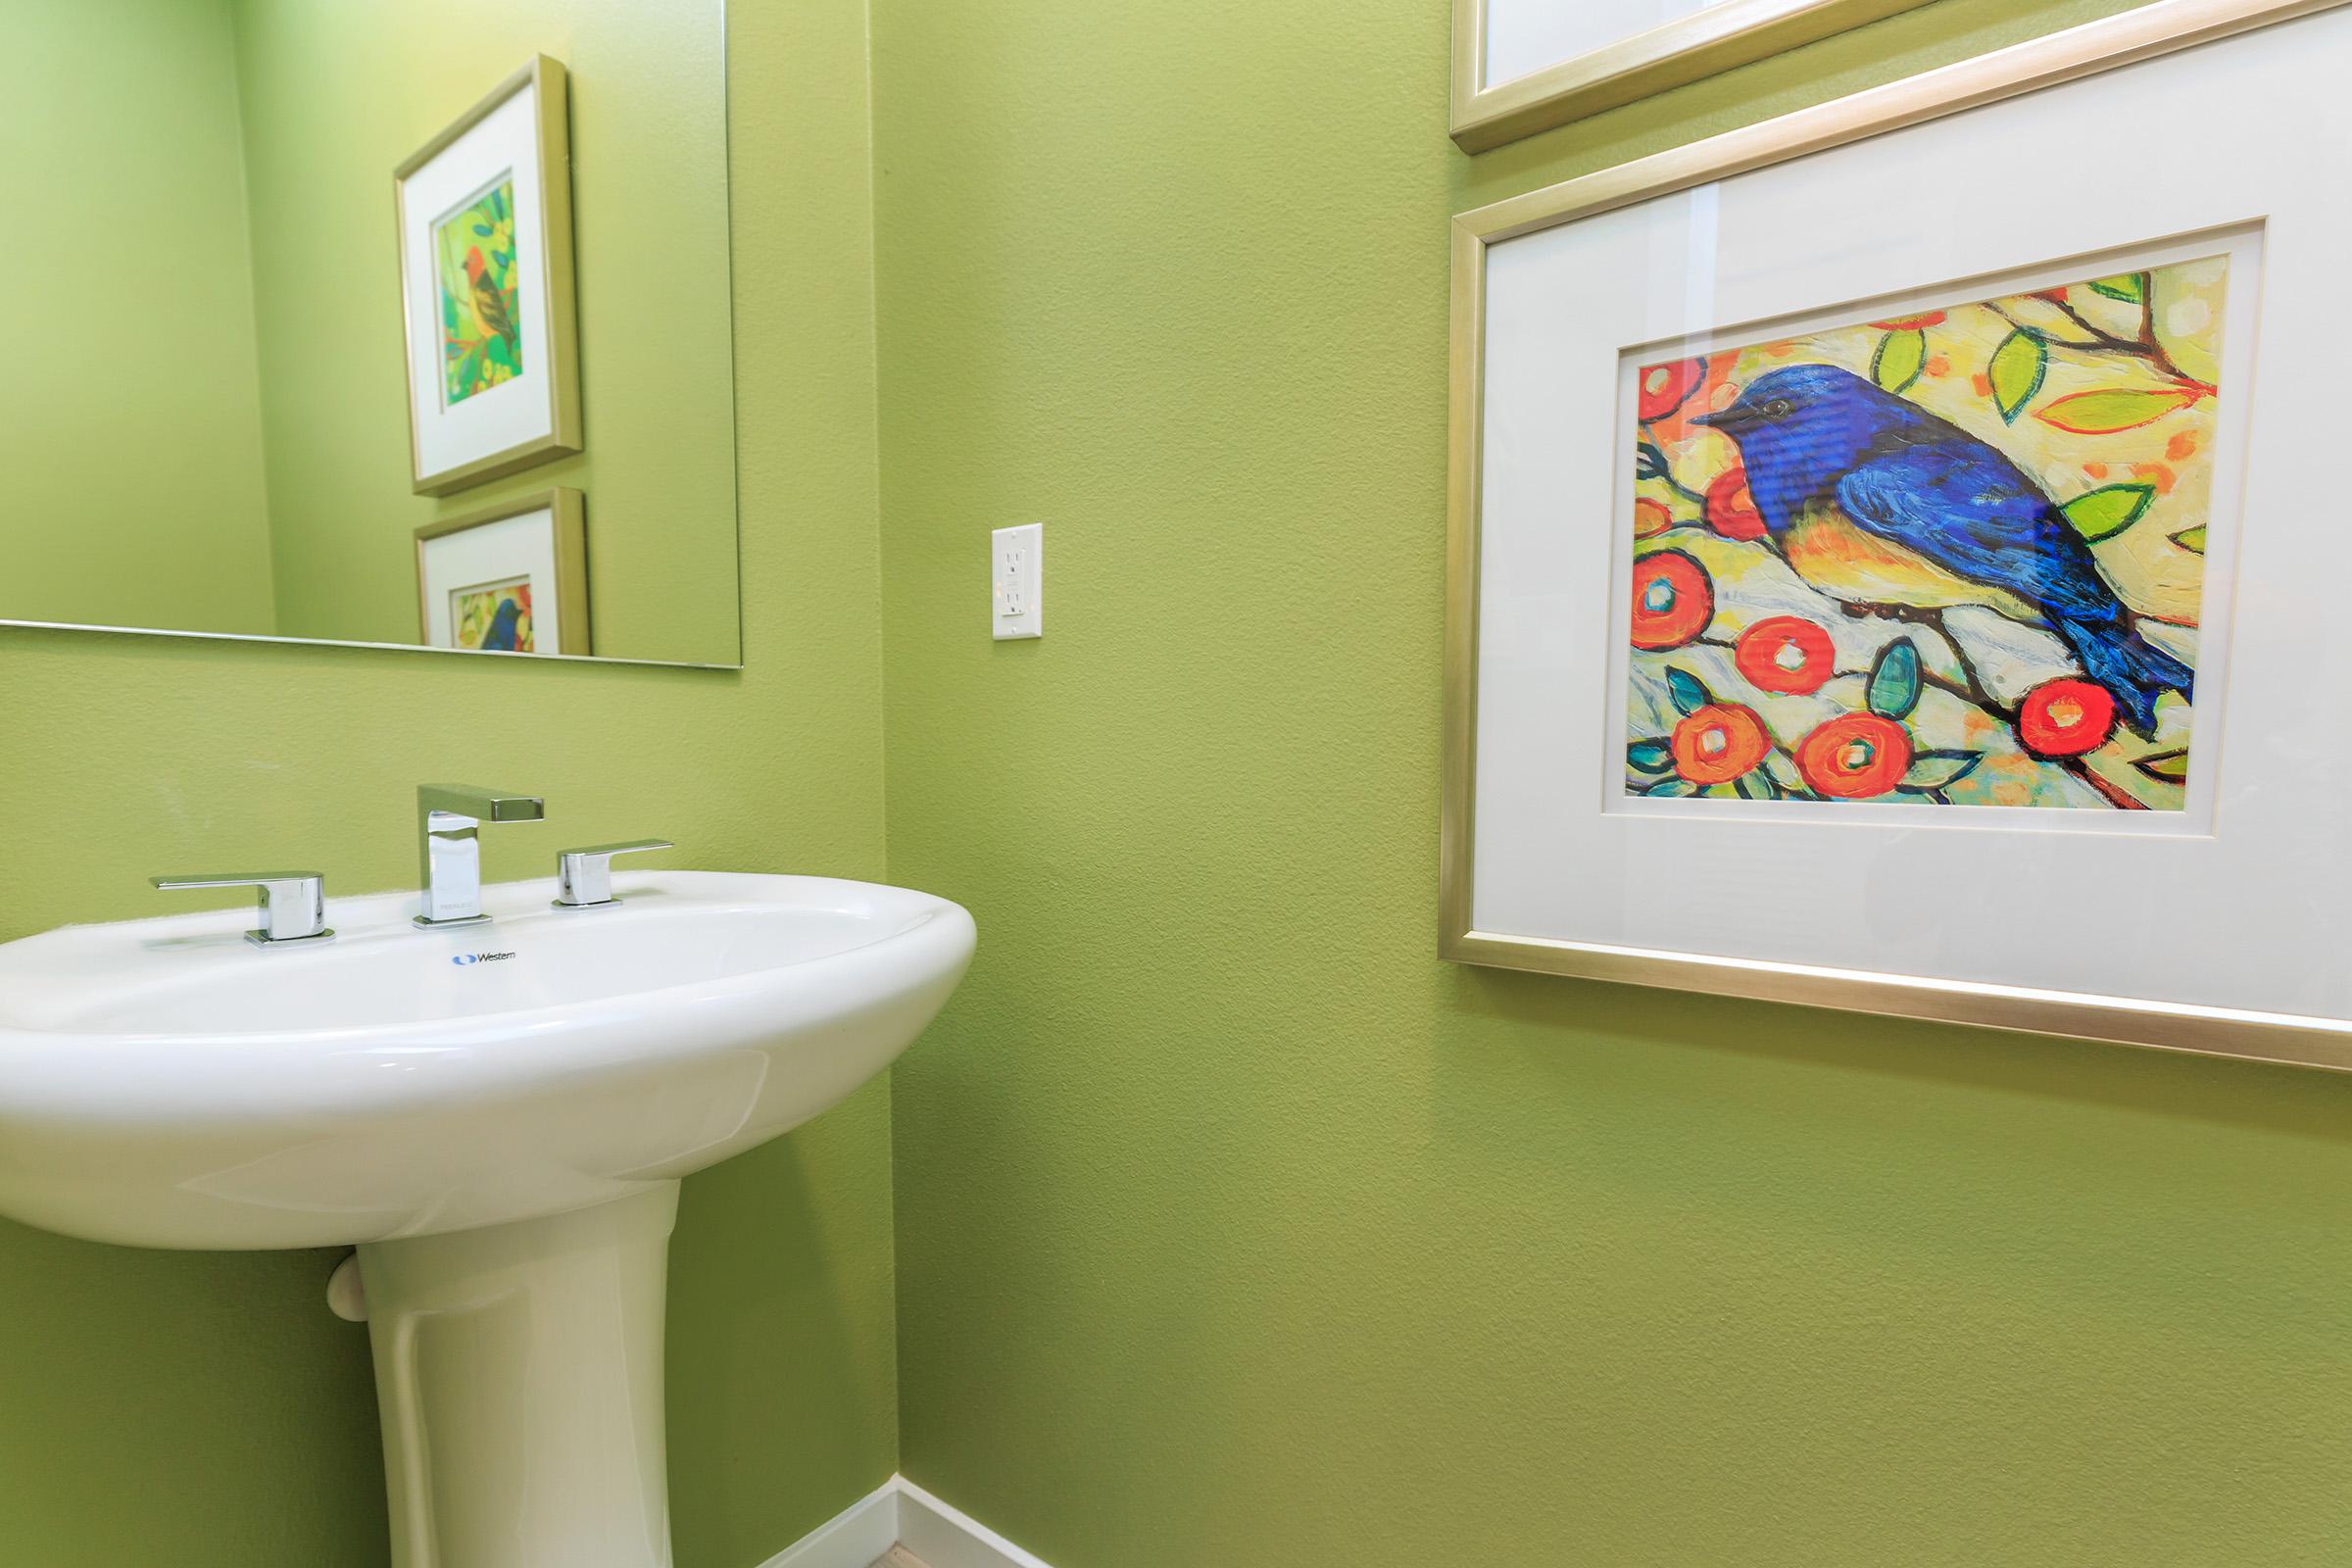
(486, 287)
(509, 580)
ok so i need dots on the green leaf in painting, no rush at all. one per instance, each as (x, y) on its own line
(1671, 788)
(1648, 461)
(2016, 371)
(1688, 691)
(2108, 511)
(1894, 681)
(2192, 539)
(1755, 787)
(2168, 767)
(1899, 360)
(2126, 407)
(2130, 287)
(1935, 770)
(1649, 756)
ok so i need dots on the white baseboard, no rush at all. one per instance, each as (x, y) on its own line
(944, 1537)
(900, 1513)
(852, 1538)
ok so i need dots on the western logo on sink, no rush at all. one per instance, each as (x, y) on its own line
(464, 959)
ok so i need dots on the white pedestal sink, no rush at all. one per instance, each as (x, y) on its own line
(496, 1115)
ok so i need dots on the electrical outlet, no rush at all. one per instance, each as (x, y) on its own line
(1017, 581)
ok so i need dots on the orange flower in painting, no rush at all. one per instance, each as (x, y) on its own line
(1719, 743)
(2066, 718)
(1854, 757)
(1672, 600)
(1785, 654)
(1651, 517)
(1731, 510)
(1664, 388)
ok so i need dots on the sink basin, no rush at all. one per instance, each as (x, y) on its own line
(164, 1083)
(496, 1115)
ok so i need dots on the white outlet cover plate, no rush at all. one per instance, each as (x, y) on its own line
(1017, 581)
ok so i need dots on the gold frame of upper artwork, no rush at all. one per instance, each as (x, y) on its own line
(554, 136)
(2158, 28)
(1728, 33)
(571, 523)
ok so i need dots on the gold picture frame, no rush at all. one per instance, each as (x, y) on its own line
(1728, 33)
(549, 167)
(556, 569)
(2163, 27)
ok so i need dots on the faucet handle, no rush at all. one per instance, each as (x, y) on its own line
(585, 877)
(293, 903)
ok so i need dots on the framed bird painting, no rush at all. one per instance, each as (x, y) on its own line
(1892, 563)
(511, 578)
(486, 287)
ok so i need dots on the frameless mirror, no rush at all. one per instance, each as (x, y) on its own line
(395, 322)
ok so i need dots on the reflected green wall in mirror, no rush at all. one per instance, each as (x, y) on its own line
(208, 431)
(130, 430)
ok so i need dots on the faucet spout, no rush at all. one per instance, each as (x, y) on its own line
(448, 852)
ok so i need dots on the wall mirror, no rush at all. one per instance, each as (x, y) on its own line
(385, 321)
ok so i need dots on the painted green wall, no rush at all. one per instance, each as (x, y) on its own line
(205, 1411)
(130, 427)
(335, 96)
(1233, 1227)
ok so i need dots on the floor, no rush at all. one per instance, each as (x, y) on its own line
(898, 1557)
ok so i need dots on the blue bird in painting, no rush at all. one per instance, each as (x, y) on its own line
(506, 628)
(1878, 503)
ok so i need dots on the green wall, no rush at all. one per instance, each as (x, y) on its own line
(204, 1410)
(335, 96)
(130, 427)
(1233, 1227)
(1230, 1226)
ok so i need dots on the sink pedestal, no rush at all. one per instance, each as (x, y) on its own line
(518, 1370)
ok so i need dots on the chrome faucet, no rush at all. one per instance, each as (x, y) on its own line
(449, 850)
